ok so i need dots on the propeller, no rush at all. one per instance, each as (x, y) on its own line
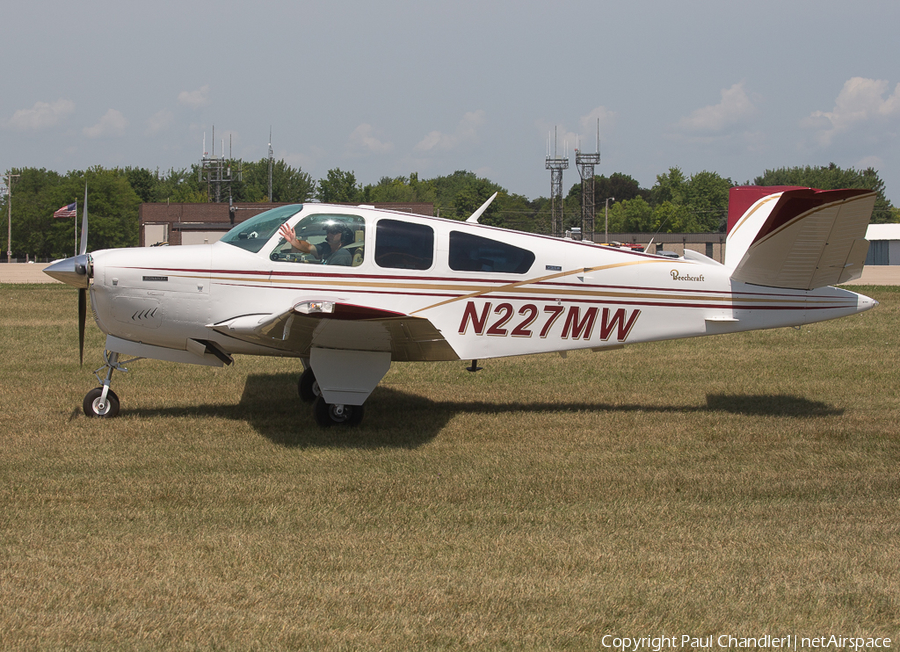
(82, 291)
(77, 271)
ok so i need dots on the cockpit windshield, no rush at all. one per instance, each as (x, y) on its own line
(253, 234)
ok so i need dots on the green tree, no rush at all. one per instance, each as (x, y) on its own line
(446, 188)
(181, 186)
(399, 189)
(112, 211)
(690, 205)
(617, 185)
(831, 177)
(470, 198)
(707, 198)
(288, 184)
(630, 216)
(672, 217)
(670, 187)
(339, 187)
(36, 194)
(144, 183)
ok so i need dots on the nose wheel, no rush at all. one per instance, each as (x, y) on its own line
(97, 405)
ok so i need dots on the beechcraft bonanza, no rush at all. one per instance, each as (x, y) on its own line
(409, 288)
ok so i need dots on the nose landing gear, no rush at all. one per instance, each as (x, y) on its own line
(101, 401)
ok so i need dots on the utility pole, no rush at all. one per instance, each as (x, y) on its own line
(606, 214)
(9, 178)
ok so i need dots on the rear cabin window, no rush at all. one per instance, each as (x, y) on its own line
(472, 253)
(403, 245)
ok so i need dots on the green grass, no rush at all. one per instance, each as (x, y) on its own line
(743, 484)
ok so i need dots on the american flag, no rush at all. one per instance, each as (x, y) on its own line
(66, 211)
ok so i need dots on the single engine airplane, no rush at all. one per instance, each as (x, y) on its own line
(348, 290)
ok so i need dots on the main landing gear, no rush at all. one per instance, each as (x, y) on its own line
(101, 401)
(327, 414)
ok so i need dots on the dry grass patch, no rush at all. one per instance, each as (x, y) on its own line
(742, 484)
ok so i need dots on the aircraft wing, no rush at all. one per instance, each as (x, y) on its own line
(328, 324)
(809, 239)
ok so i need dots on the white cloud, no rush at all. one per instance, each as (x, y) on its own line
(160, 122)
(113, 123)
(860, 102)
(466, 133)
(602, 116)
(874, 162)
(195, 99)
(735, 109)
(42, 115)
(362, 139)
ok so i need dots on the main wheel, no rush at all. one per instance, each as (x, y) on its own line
(93, 408)
(328, 414)
(308, 386)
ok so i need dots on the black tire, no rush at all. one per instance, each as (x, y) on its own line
(328, 415)
(91, 404)
(308, 387)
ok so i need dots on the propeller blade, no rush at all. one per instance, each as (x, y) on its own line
(84, 229)
(82, 313)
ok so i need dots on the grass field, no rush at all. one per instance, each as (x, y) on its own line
(744, 485)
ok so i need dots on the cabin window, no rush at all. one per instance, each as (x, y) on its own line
(325, 239)
(472, 253)
(404, 245)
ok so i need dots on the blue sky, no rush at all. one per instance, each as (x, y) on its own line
(390, 88)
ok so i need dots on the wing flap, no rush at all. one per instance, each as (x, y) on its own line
(347, 327)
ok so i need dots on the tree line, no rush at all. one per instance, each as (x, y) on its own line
(676, 203)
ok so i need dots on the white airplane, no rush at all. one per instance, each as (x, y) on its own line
(393, 286)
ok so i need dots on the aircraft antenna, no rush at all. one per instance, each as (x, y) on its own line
(586, 163)
(556, 164)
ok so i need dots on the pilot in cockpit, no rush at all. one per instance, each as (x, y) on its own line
(331, 252)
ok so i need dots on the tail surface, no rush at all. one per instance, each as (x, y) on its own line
(797, 238)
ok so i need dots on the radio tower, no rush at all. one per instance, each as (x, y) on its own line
(586, 163)
(215, 171)
(556, 165)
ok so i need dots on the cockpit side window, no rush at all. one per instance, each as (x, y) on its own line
(325, 239)
(472, 253)
(404, 245)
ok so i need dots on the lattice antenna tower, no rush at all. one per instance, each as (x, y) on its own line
(215, 171)
(556, 164)
(586, 163)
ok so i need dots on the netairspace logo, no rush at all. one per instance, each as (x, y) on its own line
(733, 642)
